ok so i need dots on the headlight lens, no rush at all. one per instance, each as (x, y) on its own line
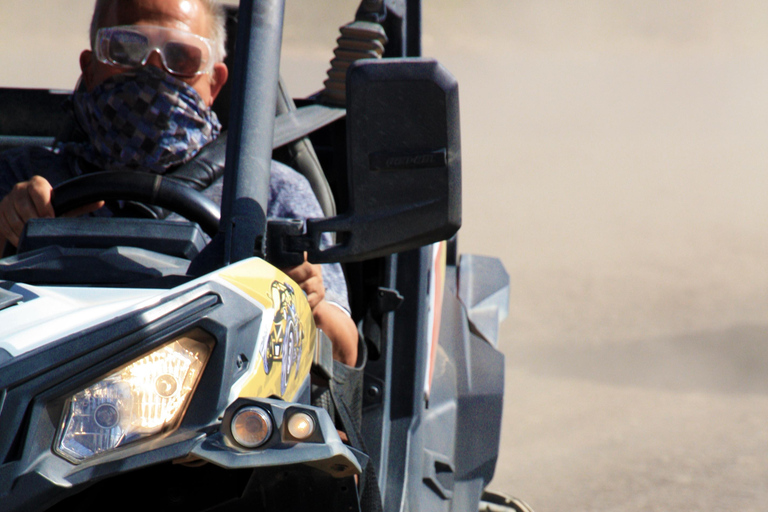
(140, 400)
(251, 426)
(301, 425)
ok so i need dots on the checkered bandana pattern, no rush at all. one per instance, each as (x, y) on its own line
(142, 120)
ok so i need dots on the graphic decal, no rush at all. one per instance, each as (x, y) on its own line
(286, 337)
(286, 340)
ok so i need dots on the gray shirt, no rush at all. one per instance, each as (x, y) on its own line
(290, 196)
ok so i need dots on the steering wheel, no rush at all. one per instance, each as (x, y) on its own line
(144, 187)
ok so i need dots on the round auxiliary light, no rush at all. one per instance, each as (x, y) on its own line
(251, 426)
(301, 425)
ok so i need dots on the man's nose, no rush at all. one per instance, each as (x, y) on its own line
(155, 59)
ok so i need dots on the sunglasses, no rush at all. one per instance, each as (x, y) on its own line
(129, 46)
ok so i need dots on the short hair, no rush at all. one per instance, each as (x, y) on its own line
(214, 9)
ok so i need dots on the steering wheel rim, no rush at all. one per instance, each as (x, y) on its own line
(144, 187)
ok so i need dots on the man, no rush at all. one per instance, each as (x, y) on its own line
(152, 73)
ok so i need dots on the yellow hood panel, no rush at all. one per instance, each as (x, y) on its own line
(286, 354)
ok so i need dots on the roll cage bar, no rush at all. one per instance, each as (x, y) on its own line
(255, 83)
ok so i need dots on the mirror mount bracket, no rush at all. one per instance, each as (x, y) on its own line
(286, 242)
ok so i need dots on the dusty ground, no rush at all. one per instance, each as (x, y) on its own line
(615, 158)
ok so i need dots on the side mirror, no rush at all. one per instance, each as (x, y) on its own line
(404, 161)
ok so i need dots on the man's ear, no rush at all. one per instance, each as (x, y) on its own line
(219, 75)
(87, 68)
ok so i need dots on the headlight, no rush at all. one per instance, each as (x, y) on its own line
(139, 400)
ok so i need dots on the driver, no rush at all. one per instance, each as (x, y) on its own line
(150, 77)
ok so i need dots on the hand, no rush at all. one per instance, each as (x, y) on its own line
(30, 200)
(310, 278)
(335, 322)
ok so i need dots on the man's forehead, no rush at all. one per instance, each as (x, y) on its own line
(181, 14)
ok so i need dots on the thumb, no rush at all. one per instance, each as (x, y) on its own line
(88, 208)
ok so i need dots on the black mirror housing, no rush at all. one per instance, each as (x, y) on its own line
(404, 161)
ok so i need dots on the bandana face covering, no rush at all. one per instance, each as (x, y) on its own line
(142, 120)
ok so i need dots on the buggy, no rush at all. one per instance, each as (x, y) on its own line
(148, 363)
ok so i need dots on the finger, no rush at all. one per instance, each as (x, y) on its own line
(28, 200)
(298, 268)
(313, 281)
(6, 230)
(315, 291)
(40, 192)
(16, 214)
(313, 285)
(22, 209)
(88, 208)
(300, 273)
(314, 300)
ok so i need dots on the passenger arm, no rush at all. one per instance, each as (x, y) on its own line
(334, 321)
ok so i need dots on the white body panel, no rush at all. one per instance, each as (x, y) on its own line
(50, 313)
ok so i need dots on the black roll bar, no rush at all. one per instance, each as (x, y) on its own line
(251, 128)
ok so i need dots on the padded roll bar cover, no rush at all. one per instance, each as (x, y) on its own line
(206, 167)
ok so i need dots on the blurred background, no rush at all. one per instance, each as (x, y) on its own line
(615, 159)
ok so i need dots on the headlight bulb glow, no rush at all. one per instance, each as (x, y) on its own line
(301, 425)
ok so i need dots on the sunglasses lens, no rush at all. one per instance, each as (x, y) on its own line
(128, 48)
(182, 59)
(183, 54)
